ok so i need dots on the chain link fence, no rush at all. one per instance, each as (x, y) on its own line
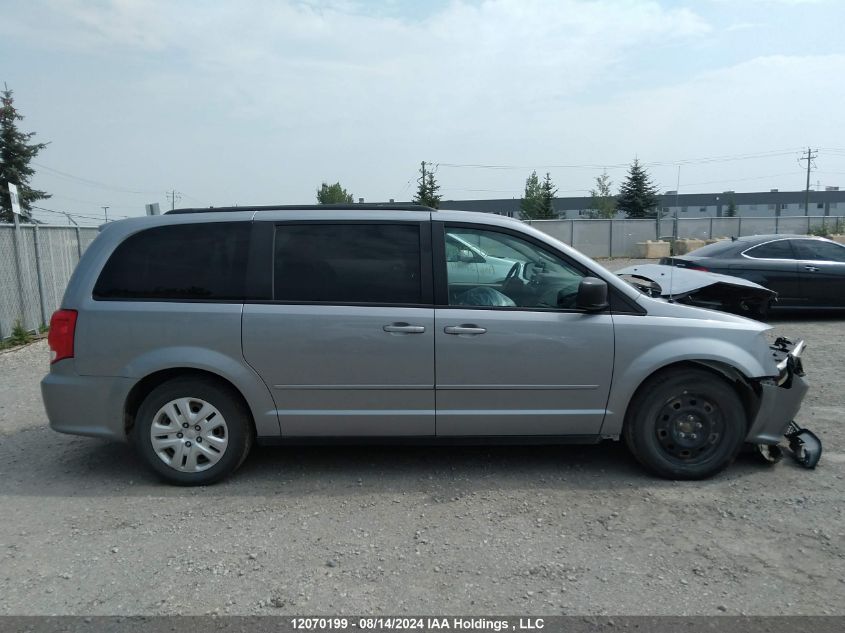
(36, 262)
(619, 238)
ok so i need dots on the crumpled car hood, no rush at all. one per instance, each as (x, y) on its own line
(680, 282)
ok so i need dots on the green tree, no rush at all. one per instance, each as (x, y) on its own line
(638, 195)
(333, 194)
(546, 208)
(730, 212)
(602, 202)
(427, 189)
(530, 205)
(16, 152)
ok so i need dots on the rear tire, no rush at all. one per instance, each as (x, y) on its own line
(685, 424)
(193, 431)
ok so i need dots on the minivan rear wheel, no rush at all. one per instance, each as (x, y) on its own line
(685, 424)
(192, 431)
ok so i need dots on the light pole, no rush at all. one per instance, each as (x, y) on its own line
(106, 211)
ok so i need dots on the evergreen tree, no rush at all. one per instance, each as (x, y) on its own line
(546, 209)
(433, 188)
(730, 212)
(603, 202)
(530, 205)
(427, 189)
(638, 195)
(333, 194)
(15, 154)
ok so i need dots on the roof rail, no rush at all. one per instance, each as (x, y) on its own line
(308, 207)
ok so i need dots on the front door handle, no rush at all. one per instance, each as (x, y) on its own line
(466, 328)
(812, 269)
(404, 328)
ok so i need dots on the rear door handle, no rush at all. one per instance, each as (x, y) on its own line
(464, 329)
(812, 269)
(404, 328)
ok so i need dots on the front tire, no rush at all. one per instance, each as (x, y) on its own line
(756, 311)
(685, 424)
(193, 431)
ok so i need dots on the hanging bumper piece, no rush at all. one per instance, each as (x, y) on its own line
(806, 447)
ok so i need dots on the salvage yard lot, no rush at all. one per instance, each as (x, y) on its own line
(85, 529)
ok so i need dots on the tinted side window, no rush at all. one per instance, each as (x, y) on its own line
(347, 263)
(185, 261)
(819, 251)
(772, 250)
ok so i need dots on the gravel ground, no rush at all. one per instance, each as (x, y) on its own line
(576, 530)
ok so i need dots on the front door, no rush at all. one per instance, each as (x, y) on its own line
(771, 264)
(821, 266)
(347, 344)
(517, 358)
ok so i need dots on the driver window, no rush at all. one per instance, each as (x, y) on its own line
(514, 274)
(452, 251)
(458, 250)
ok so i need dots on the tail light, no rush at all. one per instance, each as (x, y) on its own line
(695, 267)
(60, 338)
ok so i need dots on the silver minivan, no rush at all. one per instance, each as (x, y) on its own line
(195, 334)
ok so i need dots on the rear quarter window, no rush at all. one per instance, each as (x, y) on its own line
(203, 261)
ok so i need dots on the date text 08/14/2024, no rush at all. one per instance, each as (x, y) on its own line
(416, 623)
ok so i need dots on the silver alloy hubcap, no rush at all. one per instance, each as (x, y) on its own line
(189, 435)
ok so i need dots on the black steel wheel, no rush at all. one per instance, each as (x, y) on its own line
(685, 424)
(758, 311)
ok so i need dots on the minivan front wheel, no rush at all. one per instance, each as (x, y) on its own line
(192, 431)
(685, 424)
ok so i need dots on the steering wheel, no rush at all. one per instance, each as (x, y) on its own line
(513, 272)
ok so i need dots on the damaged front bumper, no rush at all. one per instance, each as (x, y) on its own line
(780, 400)
(780, 396)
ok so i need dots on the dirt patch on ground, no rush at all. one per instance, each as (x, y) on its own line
(86, 530)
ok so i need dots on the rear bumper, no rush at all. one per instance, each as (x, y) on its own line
(780, 400)
(85, 405)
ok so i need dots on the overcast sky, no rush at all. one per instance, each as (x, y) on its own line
(259, 102)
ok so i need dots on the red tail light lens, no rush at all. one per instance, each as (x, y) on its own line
(60, 338)
(694, 267)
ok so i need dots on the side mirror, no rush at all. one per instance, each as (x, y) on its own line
(592, 295)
